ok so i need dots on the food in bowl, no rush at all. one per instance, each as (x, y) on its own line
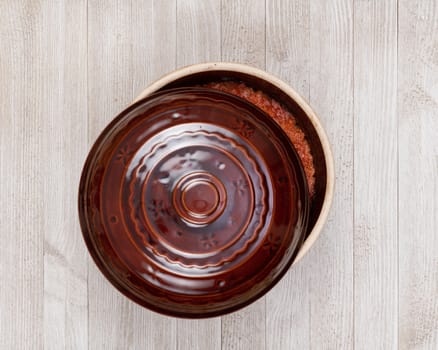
(306, 120)
(281, 115)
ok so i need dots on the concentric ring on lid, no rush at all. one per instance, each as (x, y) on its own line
(193, 202)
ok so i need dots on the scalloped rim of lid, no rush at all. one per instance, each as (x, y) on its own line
(261, 74)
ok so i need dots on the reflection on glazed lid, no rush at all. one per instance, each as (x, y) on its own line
(193, 202)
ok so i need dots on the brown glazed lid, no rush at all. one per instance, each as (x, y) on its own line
(193, 202)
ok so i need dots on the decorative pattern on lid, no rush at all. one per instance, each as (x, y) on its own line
(193, 202)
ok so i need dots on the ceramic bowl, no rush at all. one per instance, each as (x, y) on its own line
(194, 202)
(307, 119)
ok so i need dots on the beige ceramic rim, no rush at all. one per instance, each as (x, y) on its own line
(242, 68)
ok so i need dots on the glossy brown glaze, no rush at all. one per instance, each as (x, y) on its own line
(193, 202)
(301, 117)
(281, 115)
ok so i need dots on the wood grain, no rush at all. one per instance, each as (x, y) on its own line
(22, 182)
(288, 57)
(375, 175)
(110, 77)
(243, 32)
(331, 95)
(64, 89)
(150, 58)
(153, 41)
(198, 32)
(418, 173)
(368, 68)
(243, 40)
(121, 43)
(245, 329)
(198, 40)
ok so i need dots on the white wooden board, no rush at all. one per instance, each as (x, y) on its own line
(368, 68)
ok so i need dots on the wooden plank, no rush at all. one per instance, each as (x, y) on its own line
(198, 31)
(43, 133)
(153, 54)
(288, 57)
(109, 91)
(418, 173)
(153, 41)
(243, 41)
(198, 40)
(245, 329)
(331, 95)
(375, 175)
(199, 334)
(288, 42)
(22, 215)
(64, 92)
(243, 32)
(125, 53)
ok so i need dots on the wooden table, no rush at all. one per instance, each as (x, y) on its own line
(370, 70)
